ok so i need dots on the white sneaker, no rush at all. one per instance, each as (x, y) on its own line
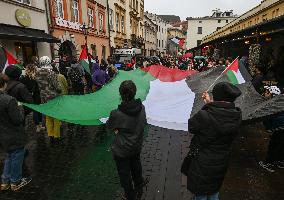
(38, 128)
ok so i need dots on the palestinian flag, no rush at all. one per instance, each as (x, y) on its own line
(84, 60)
(7, 59)
(170, 97)
(233, 73)
(164, 92)
(178, 41)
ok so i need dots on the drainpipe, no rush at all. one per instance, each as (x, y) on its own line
(49, 23)
(108, 28)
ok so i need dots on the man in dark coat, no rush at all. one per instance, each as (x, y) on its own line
(15, 88)
(12, 141)
(214, 128)
(128, 123)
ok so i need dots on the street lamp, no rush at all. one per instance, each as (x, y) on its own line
(85, 30)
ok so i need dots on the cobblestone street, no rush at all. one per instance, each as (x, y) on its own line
(82, 167)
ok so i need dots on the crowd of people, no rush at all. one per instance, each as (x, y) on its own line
(43, 81)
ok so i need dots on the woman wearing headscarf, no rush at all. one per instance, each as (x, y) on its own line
(49, 89)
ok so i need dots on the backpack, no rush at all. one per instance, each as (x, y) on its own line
(75, 76)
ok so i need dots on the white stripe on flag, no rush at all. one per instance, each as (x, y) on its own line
(239, 77)
(169, 104)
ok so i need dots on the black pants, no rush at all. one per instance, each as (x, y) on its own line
(130, 170)
(78, 89)
(276, 147)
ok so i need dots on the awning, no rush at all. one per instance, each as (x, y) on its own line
(10, 32)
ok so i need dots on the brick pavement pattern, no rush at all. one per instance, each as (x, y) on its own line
(82, 167)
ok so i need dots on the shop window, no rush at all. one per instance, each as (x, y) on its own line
(25, 1)
(91, 17)
(25, 51)
(111, 19)
(75, 11)
(59, 8)
(122, 24)
(101, 22)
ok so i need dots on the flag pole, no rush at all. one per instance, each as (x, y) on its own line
(220, 75)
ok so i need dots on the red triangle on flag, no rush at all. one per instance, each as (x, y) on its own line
(181, 42)
(84, 55)
(11, 60)
(234, 66)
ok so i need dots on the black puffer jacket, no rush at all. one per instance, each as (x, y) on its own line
(214, 128)
(12, 134)
(19, 91)
(129, 120)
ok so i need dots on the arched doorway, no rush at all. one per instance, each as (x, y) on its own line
(67, 49)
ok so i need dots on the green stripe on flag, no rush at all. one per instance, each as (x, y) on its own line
(232, 77)
(85, 65)
(89, 109)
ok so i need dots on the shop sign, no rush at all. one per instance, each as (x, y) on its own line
(23, 17)
(67, 24)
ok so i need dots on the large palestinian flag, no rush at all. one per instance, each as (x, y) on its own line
(170, 97)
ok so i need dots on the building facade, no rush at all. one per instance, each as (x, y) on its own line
(175, 32)
(126, 23)
(261, 25)
(202, 26)
(67, 18)
(162, 33)
(267, 10)
(24, 29)
(150, 37)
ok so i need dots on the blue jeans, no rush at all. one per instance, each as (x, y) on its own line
(13, 164)
(208, 197)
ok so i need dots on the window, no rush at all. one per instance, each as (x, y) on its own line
(59, 8)
(136, 5)
(111, 19)
(159, 29)
(218, 28)
(104, 52)
(200, 22)
(122, 24)
(162, 43)
(91, 17)
(101, 22)
(219, 21)
(162, 30)
(199, 42)
(159, 43)
(227, 21)
(199, 31)
(75, 9)
(117, 23)
(25, 1)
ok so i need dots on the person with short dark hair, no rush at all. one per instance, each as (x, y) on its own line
(12, 141)
(128, 122)
(214, 128)
(15, 88)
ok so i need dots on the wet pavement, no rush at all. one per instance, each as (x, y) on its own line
(81, 167)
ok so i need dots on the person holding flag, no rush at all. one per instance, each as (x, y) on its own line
(214, 128)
